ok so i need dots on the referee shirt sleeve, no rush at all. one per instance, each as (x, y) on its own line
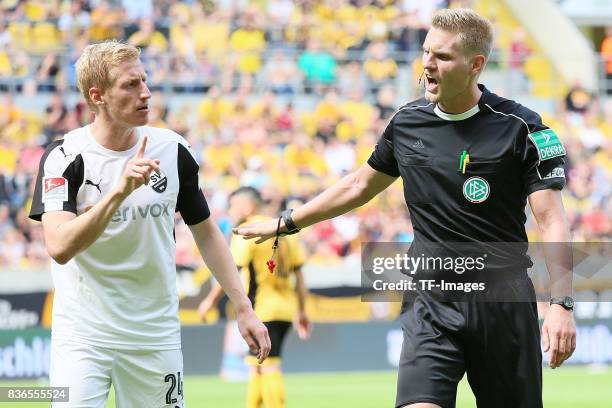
(382, 158)
(539, 174)
(190, 201)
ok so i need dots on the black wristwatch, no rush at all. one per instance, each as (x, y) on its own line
(566, 302)
(289, 224)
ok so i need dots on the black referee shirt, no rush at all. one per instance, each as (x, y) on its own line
(512, 154)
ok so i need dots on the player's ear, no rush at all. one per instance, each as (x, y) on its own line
(95, 94)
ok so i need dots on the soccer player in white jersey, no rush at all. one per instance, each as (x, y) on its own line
(106, 195)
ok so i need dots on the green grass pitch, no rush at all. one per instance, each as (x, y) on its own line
(563, 388)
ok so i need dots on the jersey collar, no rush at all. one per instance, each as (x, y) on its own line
(486, 97)
(114, 153)
(459, 116)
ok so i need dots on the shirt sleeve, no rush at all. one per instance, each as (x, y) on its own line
(190, 201)
(542, 157)
(242, 250)
(382, 158)
(58, 181)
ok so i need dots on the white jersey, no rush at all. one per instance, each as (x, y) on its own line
(121, 291)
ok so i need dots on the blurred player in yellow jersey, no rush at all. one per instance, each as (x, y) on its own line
(278, 297)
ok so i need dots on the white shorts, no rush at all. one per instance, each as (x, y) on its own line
(141, 378)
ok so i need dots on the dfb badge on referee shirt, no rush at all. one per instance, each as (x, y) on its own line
(476, 189)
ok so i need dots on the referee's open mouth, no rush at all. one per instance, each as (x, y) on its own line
(432, 83)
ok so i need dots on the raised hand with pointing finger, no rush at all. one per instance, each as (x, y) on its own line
(137, 170)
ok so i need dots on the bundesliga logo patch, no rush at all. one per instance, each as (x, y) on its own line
(54, 189)
(158, 182)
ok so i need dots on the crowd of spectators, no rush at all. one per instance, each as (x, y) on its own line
(191, 45)
(291, 96)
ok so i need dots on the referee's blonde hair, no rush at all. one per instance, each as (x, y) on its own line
(475, 32)
(96, 62)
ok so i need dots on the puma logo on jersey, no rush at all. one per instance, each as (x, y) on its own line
(158, 182)
(64, 152)
(91, 183)
(136, 211)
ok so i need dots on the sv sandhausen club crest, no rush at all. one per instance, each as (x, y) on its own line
(476, 189)
(158, 182)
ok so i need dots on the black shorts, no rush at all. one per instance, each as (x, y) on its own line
(277, 330)
(496, 343)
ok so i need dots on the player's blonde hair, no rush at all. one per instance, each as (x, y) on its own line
(96, 62)
(475, 32)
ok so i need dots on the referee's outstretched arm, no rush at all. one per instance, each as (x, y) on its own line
(559, 328)
(352, 191)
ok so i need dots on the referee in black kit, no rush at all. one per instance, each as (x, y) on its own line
(469, 161)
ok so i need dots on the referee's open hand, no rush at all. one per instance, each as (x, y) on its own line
(263, 230)
(558, 335)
